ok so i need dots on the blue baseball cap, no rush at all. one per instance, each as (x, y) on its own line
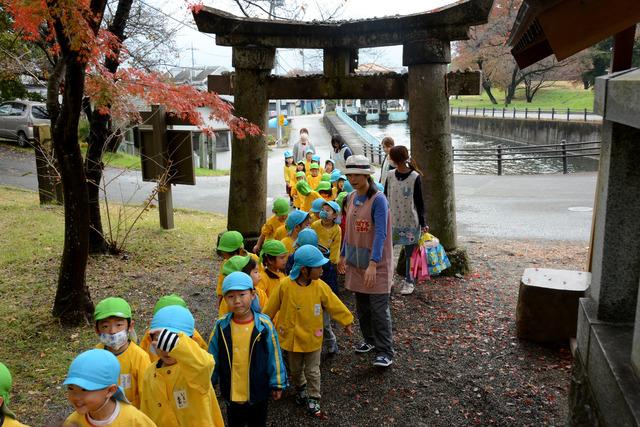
(237, 281)
(296, 217)
(347, 187)
(308, 236)
(288, 154)
(315, 158)
(335, 175)
(306, 256)
(316, 205)
(95, 369)
(333, 205)
(309, 150)
(175, 319)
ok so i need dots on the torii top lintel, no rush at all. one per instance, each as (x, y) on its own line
(447, 23)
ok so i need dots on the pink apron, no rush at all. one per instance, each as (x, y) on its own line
(359, 234)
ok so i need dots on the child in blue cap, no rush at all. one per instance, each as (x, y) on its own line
(300, 300)
(92, 389)
(177, 388)
(296, 221)
(248, 361)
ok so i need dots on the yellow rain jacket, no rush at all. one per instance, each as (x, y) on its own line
(280, 233)
(181, 394)
(133, 362)
(290, 174)
(129, 417)
(308, 199)
(299, 310)
(145, 343)
(269, 284)
(269, 228)
(10, 422)
(330, 238)
(296, 197)
(314, 180)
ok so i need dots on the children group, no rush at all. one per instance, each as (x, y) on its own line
(279, 299)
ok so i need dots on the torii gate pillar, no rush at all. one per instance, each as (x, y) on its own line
(248, 180)
(430, 126)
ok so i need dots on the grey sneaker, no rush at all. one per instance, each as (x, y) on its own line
(382, 361)
(407, 288)
(313, 406)
(364, 347)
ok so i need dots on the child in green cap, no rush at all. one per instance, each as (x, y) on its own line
(280, 211)
(7, 417)
(231, 243)
(274, 257)
(314, 176)
(114, 327)
(297, 201)
(163, 302)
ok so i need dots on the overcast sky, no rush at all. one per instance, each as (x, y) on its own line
(206, 52)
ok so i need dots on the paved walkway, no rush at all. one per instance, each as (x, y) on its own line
(354, 141)
(519, 207)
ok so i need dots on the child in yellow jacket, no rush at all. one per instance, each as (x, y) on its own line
(231, 243)
(295, 196)
(299, 301)
(92, 389)
(165, 301)
(314, 176)
(296, 221)
(177, 389)
(7, 417)
(274, 259)
(307, 195)
(290, 169)
(114, 326)
(280, 211)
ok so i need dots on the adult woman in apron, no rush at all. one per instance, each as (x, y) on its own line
(366, 259)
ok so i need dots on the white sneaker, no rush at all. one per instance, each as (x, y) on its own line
(407, 288)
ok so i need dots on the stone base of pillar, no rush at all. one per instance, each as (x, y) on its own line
(459, 262)
(603, 385)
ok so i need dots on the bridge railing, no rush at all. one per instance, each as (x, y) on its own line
(566, 114)
(362, 133)
(563, 150)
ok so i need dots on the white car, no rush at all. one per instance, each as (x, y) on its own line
(17, 119)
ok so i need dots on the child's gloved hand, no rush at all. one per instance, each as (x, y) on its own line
(163, 339)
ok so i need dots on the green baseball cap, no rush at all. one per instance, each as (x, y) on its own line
(341, 197)
(301, 174)
(314, 166)
(326, 177)
(230, 241)
(168, 300)
(303, 187)
(281, 206)
(112, 306)
(6, 382)
(235, 263)
(274, 248)
(324, 186)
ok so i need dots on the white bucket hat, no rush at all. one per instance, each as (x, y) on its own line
(358, 164)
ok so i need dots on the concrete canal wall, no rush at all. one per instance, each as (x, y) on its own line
(530, 131)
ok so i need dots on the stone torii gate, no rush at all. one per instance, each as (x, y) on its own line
(425, 38)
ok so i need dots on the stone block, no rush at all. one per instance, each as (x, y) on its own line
(547, 308)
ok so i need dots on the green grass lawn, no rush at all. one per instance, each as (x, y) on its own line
(33, 345)
(561, 97)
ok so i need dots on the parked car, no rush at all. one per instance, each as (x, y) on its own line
(17, 119)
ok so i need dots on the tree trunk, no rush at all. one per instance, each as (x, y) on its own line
(487, 88)
(101, 140)
(511, 89)
(72, 302)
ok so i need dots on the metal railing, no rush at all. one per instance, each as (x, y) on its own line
(362, 133)
(528, 113)
(564, 150)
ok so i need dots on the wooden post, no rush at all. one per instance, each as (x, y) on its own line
(165, 199)
(565, 168)
(499, 154)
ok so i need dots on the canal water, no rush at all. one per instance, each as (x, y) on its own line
(400, 133)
